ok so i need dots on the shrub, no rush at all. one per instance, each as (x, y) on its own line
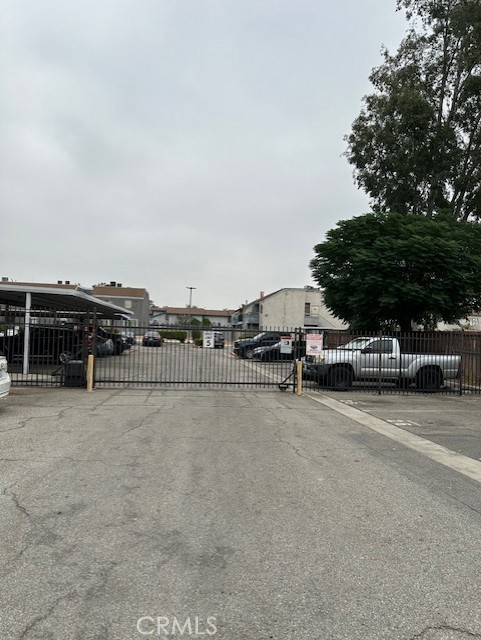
(196, 333)
(174, 334)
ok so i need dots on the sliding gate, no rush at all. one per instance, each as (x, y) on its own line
(201, 357)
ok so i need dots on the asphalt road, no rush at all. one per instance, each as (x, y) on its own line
(130, 514)
(448, 420)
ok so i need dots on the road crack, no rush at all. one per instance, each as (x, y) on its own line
(10, 494)
(466, 633)
(41, 618)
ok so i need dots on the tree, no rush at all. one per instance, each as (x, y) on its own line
(388, 270)
(196, 333)
(416, 145)
(187, 317)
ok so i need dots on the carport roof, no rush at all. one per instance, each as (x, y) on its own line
(54, 297)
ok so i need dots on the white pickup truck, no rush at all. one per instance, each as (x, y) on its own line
(379, 358)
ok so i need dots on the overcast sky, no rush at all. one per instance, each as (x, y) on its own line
(169, 144)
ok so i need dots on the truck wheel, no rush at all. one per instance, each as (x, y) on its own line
(340, 378)
(248, 353)
(429, 379)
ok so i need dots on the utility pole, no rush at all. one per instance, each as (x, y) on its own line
(190, 296)
(190, 307)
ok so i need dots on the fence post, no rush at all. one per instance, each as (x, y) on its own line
(379, 367)
(461, 364)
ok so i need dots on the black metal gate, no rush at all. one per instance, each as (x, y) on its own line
(52, 349)
(202, 356)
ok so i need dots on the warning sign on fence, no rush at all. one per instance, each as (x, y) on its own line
(286, 344)
(314, 343)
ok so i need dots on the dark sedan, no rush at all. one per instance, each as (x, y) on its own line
(274, 353)
(245, 348)
(152, 339)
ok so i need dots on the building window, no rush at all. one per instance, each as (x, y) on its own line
(128, 304)
(307, 309)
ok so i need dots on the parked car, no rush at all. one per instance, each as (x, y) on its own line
(117, 337)
(368, 358)
(245, 348)
(219, 340)
(152, 339)
(5, 381)
(274, 353)
(46, 343)
(129, 337)
(104, 346)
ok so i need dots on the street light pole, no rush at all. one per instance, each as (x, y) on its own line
(190, 296)
(190, 307)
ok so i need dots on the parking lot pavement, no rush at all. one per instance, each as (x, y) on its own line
(250, 515)
(451, 421)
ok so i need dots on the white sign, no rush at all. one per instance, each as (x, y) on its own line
(208, 340)
(314, 344)
(286, 344)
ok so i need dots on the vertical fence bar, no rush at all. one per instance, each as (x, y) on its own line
(379, 365)
(461, 364)
(26, 334)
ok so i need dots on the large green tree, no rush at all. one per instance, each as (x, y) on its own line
(416, 145)
(386, 270)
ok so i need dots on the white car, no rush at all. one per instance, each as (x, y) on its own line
(5, 381)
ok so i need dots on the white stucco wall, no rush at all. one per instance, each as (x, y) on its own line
(286, 309)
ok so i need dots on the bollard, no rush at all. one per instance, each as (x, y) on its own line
(299, 378)
(90, 372)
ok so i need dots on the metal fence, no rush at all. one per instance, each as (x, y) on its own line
(429, 362)
(38, 342)
(50, 348)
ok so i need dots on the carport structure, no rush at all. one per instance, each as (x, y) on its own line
(24, 309)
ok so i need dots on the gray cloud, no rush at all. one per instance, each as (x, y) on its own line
(180, 143)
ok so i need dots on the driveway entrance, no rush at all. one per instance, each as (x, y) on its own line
(199, 361)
